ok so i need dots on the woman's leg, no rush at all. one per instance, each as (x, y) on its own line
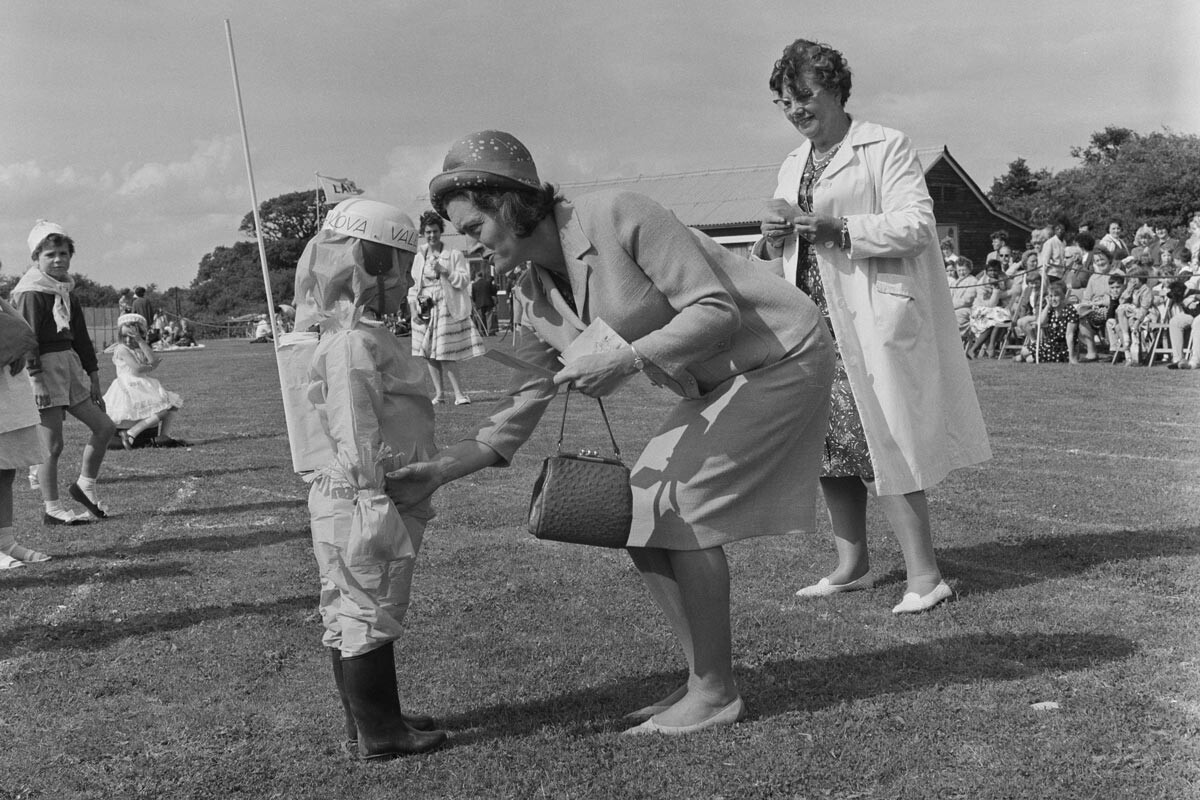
(435, 374)
(164, 420)
(50, 431)
(701, 578)
(1088, 335)
(909, 518)
(451, 370)
(1178, 326)
(846, 499)
(654, 564)
(11, 553)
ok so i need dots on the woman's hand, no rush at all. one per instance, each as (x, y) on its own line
(599, 374)
(414, 484)
(820, 230)
(775, 229)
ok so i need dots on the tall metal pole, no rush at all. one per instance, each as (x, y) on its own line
(262, 250)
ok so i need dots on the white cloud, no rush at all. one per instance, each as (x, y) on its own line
(211, 158)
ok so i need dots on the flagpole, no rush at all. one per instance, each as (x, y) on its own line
(317, 199)
(262, 250)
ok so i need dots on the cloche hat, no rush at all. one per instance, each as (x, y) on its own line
(484, 160)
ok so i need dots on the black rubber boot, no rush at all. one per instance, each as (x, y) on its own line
(420, 722)
(370, 684)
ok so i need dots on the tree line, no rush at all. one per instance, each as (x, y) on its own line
(1121, 174)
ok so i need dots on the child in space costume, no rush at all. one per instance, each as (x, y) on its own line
(369, 403)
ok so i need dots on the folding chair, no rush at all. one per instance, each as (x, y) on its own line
(1156, 341)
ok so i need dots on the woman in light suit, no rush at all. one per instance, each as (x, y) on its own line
(863, 245)
(748, 355)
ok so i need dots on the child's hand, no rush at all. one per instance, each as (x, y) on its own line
(41, 395)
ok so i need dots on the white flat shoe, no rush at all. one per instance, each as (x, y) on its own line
(649, 711)
(8, 562)
(731, 714)
(913, 603)
(824, 588)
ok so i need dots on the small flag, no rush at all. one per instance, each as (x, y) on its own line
(338, 188)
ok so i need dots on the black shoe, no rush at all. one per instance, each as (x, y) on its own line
(80, 496)
(167, 441)
(50, 519)
(370, 683)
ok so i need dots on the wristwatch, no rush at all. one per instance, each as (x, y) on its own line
(639, 363)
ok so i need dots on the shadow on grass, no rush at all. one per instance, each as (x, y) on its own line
(38, 577)
(218, 543)
(204, 511)
(809, 685)
(150, 477)
(82, 634)
(995, 566)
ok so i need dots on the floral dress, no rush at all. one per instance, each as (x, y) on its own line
(846, 454)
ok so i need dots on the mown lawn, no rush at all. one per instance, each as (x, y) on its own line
(173, 651)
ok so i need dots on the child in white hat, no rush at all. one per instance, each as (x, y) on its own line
(63, 371)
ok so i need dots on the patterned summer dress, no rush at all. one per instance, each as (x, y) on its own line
(846, 453)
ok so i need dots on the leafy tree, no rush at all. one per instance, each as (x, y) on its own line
(288, 216)
(1105, 147)
(229, 282)
(1122, 174)
(91, 294)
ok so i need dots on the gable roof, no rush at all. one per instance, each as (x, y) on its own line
(735, 196)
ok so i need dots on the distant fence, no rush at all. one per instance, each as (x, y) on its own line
(102, 327)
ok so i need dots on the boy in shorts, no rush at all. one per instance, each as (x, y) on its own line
(64, 372)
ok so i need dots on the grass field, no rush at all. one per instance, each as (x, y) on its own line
(173, 650)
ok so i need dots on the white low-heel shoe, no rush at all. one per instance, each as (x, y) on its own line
(913, 603)
(731, 714)
(824, 588)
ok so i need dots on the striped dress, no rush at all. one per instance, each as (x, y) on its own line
(448, 335)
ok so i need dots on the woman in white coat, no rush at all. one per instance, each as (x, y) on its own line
(860, 238)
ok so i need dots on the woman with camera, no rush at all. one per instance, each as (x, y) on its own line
(440, 302)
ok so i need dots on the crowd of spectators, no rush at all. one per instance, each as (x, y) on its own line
(1105, 299)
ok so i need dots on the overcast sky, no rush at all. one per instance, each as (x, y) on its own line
(118, 119)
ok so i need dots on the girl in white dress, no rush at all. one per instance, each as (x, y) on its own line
(136, 401)
(20, 445)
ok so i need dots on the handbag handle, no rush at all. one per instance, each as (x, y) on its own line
(563, 428)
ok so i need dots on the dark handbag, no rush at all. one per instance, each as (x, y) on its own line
(584, 497)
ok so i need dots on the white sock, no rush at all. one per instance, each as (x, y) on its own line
(54, 505)
(88, 485)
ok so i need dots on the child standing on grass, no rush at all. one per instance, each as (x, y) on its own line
(370, 397)
(64, 372)
(135, 400)
(20, 445)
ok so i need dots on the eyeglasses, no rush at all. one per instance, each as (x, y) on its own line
(787, 104)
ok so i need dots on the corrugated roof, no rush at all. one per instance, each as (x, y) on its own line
(716, 197)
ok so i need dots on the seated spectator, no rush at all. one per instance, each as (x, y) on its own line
(949, 259)
(1113, 244)
(999, 240)
(1028, 263)
(989, 315)
(1145, 247)
(262, 330)
(1052, 255)
(966, 286)
(185, 337)
(1058, 322)
(1135, 303)
(1094, 302)
(1180, 323)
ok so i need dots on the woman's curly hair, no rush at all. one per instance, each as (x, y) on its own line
(827, 68)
